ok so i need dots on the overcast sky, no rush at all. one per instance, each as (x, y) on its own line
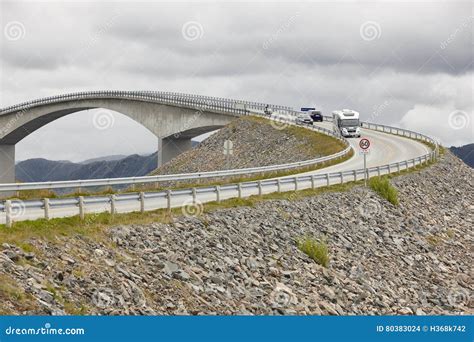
(401, 63)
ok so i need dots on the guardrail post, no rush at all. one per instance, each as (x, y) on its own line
(168, 200)
(327, 179)
(398, 167)
(193, 190)
(8, 213)
(259, 188)
(218, 194)
(388, 168)
(313, 182)
(142, 202)
(46, 208)
(342, 177)
(378, 171)
(296, 183)
(239, 189)
(81, 208)
(113, 208)
(355, 175)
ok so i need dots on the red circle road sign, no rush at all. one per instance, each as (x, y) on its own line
(364, 144)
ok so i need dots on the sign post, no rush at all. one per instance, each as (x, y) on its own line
(364, 145)
(228, 151)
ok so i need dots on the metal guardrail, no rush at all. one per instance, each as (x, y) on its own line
(231, 190)
(109, 203)
(184, 176)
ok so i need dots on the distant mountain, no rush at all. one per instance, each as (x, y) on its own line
(42, 170)
(465, 153)
(106, 158)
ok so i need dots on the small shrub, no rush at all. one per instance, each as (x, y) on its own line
(382, 186)
(315, 249)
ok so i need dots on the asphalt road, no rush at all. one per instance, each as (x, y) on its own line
(385, 148)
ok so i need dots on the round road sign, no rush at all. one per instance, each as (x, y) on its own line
(364, 144)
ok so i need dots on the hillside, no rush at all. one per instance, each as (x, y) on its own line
(40, 170)
(415, 258)
(465, 153)
(256, 142)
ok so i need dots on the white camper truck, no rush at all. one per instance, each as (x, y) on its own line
(346, 122)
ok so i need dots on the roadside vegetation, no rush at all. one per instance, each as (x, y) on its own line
(316, 249)
(12, 298)
(383, 187)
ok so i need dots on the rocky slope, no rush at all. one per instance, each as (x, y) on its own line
(412, 259)
(256, 142)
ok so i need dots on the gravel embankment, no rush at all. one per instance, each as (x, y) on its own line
(413, 259)
(255, 143)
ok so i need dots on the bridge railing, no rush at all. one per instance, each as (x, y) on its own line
(199, 102)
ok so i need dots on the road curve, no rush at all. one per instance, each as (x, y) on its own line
(385, 148)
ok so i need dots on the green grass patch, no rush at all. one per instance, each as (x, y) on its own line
(13, 298)
(383, 187)
(316, 249)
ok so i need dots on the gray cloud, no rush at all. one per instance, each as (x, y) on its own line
(394, 62)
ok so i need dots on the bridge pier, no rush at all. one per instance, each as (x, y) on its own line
(7, 167)
(172, 146)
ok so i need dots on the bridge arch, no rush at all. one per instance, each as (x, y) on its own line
(173, 125)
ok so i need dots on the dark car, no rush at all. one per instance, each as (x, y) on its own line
(316, 115)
